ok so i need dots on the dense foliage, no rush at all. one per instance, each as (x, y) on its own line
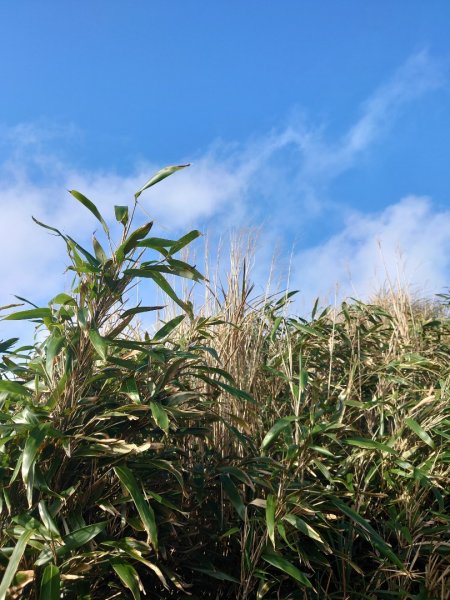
(243, 453)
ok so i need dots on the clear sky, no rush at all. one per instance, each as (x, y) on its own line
(325, 123)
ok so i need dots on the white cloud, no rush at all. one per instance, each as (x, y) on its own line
(228, 185)
(408, 243)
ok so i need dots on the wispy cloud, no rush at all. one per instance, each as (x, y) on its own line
(229, 185)
(408, 244)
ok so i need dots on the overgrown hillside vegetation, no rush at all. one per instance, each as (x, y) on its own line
(239, 452)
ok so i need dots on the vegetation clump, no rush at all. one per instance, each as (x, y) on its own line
(239, 453)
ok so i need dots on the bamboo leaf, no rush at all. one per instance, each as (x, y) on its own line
(14, 561)
(418, 430)
(168, 328)
(73, 540)
(128, 575)
(47, 519)
(50, 583)
(233, 494)
(275, 431)
(139, 309)
(216, 573)
(30, 452)
(284, 565)
(128, 480)
(91, 207)
(33, 313)
(12, 387)
(271, 503)
(131, 242)
(121, 213)
(370, 445)
(159, 176)
(185, 240)
(160, 416)
(99, 252)
(370, 533)
(53, 346)
(99, 343)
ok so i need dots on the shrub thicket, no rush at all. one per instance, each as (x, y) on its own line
(243, 453)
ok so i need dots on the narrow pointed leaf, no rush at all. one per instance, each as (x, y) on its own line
(50, 583)
(160, 416)
(14, 562)
(30, 452)
(271, 503)
(99, 343)
(54, 344)
(370, 445)
(418, 430)
(168, 328)
(131, 242)
(121, 213)
(33, 313)
(159, 176)
(139, 309)
(91, 207)
(144, 509)
(275, 431)
(99, 252)
(371, 535)
(11, 387)
(233, 494)
(128, 575)
(184, 241)
(284, 565)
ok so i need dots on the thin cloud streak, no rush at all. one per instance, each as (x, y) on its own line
(228, 186)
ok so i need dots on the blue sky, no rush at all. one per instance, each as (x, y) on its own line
(325, 124)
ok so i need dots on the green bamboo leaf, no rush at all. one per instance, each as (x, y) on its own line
(99, 252)
(215, 573)
(156, 243)
(12, 387)
(371, 535)
(230, 389)
(63, 299)
(56, 231)
(160, 416)
(50, 583)
(139, 309)
(417, 429)
(275, 431)
(47, 519)
(168, 328)
(29, 455)
(159, 176)
(131, 242)
(271, 504)
(6, 344)
(185, 240)
(167, 288)
(130, 388)
(33, 313)
(284, 565)
(370, 445)
(53, 346)
(91, 207)
(305, 528)
(73, 540)
(121, 213)
(128, 480)
(128, 575)
(99, 343)
(14, 562)
(233, 494)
